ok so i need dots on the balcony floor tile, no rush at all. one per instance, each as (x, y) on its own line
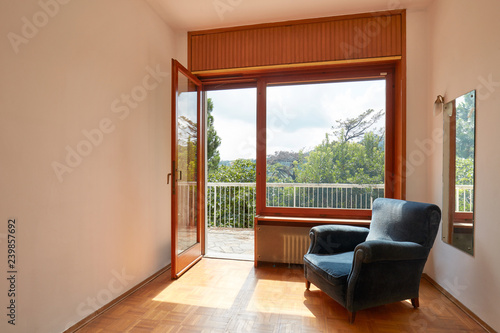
(230, 243)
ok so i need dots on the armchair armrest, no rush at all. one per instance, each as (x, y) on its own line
(330, 239)
(383, 250)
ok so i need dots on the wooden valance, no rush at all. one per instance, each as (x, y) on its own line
(340, 38)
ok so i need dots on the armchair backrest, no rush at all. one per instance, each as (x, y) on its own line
(404, 221)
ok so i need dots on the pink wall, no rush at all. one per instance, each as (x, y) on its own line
(464, 55)
(83, 166)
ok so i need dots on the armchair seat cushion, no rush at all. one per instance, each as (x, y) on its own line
(334, 268)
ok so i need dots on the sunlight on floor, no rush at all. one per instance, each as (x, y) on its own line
(281, 297)
(218, 289)
(233, 296)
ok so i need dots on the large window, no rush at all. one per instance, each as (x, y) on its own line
(327, 145)
(289, 62)
(329, 141)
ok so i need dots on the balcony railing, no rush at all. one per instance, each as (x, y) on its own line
(232, 205)
(464, 198)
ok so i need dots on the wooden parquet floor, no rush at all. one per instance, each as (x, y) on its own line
(233, 296)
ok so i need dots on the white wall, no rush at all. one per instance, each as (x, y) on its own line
(464, 44)
(100, 225)
(452, 48)
(419, 147)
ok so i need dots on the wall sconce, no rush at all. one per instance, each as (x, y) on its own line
(438, 105)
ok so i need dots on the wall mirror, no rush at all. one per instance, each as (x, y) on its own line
(459, 118)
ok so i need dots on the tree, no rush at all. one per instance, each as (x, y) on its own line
(187, 146)
(465, 132)
(464, 160)
(213, 140)
(347, 160)
(240, 171)
(280, 167)
(344, 162)
(353, 128)
(464, 171)
(235, 205)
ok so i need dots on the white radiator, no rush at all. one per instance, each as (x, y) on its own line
(294, 248)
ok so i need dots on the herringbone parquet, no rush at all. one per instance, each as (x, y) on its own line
(233, 296)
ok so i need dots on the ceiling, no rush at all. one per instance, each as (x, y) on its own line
(190, 15)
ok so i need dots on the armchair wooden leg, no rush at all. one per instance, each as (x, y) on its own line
(352, 316)
(308, 285)
(415, 302)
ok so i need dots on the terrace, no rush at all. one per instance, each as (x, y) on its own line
(231, 209)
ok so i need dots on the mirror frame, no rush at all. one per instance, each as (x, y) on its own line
(456, 224)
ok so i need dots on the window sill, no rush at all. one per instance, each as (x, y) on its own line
(306, 221)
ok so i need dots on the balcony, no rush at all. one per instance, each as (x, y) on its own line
(232, 205)
(231, 208)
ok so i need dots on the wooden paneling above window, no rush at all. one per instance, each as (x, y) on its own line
(333, 39)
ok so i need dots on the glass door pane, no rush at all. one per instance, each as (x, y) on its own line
(187, 166)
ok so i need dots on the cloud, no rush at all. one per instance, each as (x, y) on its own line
(299, 116)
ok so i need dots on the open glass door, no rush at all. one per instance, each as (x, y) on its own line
(187, 171)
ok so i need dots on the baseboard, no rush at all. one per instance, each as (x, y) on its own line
(459, 304)
(114, 302)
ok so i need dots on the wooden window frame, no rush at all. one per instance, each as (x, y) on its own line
(394, 73)
(341, 75)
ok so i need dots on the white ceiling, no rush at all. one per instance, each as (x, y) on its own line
(189, 15)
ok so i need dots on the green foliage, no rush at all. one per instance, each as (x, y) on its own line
(354, 128)
(279, 173)
(464, 175)
(464, 171)
(464, 161)
(240, 171)
(187, 148)
(280, 167)
(465, 131)
(233, 205)
(213, 140)
(354, 156)
(343, 161)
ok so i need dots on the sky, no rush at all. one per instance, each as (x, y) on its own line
(298, 116)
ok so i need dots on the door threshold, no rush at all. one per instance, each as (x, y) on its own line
(230, 256)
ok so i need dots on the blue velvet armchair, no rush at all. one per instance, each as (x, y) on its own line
(362, 268)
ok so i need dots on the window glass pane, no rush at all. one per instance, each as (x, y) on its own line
(326, 144)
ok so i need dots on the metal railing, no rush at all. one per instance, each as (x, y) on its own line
(346, 196)
(232, 205)
(464, 198)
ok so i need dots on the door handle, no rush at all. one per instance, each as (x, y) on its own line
(168, 177)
